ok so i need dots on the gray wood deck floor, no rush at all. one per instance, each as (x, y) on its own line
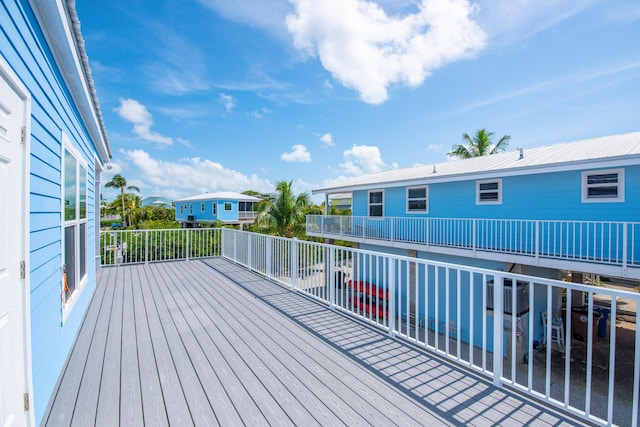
(209, 343)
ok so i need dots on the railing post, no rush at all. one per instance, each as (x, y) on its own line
(322, 230)
(294, 264)
(235, 247)
(249, 258)
(537, 248)
(332, 277)
(474, 235)
(426, 232)
(625, 227)
(392, 298)
(187, 245)
(146, 247)
(267, 267)
(498, 324)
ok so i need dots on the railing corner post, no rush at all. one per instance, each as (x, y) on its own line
(188, 249)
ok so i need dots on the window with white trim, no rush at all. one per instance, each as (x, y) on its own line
(74, 239)
(376, 203)
(202, 207)
(489, 192)
(190, 208)
(214, 208)
(227, 206)
(417, 199)
(603, 186)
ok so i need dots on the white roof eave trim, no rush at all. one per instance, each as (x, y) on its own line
(62, 32)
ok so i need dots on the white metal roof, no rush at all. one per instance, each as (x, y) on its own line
(608, 151)
(223, 195)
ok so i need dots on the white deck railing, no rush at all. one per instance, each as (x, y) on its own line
(143, 246)
(601, 242)
(462, 313)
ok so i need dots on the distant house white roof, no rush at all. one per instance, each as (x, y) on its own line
(223, 195)
(608, 151)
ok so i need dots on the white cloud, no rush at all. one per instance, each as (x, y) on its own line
(190, 176)
(435, 147)
(227, 101)
(367, 50)
(361, 159)
(267, 15)
(299, 153)
(136, 113)
(327, 139)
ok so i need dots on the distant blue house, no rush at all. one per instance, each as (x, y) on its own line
(539, 211)
(53, 147)
(228, 207)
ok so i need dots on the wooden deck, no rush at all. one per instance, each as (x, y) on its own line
(209, 343)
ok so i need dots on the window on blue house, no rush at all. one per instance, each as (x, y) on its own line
(201, 207)
(190, 208)
(376, 207)
(214, 208)
(603, 186)
(227, 206)
(417, 200)
(74, 189)
(489, 192)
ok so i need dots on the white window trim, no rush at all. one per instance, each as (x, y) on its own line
(490, 202)
(369, 203)
(214, 208)
(202, 207)
(82, 281)
(585, 186)
(426, 195)
(230, 206)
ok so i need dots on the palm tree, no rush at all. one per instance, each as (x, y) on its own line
(118, 181)
(283, 213)
(480, 145)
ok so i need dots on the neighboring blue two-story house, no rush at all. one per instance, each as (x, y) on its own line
(227, 206)
(53, 146)
(538, 211)
(572, 206)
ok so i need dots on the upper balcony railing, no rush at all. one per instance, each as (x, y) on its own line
(599, 242)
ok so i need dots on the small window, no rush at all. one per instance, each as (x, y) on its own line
(603, 186)
(227, 206)
(214, 208)
(417, 200)
(376, 203)
(190, 208)
(489, 192)
(201, 207)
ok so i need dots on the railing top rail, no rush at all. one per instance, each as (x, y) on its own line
(416, 218)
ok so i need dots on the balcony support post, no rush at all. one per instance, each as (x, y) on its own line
(187, 245)
(146, 247)
(625, 230)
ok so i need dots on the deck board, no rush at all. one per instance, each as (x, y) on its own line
(209, 343)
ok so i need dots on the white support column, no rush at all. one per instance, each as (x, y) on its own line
(332, 277)
(392, 298)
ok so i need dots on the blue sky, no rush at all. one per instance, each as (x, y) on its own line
(216, 95)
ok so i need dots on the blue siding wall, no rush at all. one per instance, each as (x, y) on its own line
(523, 197)
(24, 47)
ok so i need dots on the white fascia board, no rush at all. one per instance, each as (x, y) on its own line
(497, 173)
(56, 27)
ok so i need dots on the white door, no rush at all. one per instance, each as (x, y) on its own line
(12, 336)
